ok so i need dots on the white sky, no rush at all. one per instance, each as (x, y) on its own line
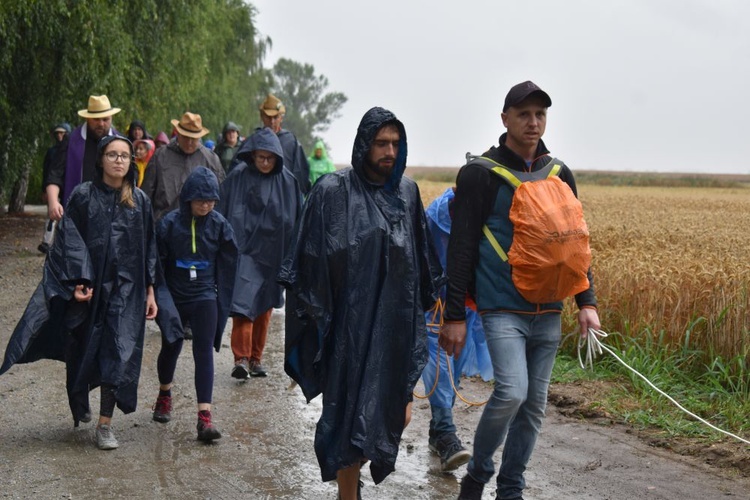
(642, 85)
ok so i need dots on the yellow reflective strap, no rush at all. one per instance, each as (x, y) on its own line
(495, 244)
(505, 174)
(555, 170)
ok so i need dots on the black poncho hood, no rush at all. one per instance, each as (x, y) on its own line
(368, 128)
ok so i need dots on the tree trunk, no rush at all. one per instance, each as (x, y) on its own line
(18, 195)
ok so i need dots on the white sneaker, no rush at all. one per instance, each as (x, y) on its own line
(105, 438)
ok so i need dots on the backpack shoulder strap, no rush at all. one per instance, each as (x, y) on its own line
(514, 177)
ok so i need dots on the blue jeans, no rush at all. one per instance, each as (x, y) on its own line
(522, 348)
(442, 400)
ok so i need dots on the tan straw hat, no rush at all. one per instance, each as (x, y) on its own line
(272, 106)
(99, 107)
(190, 125)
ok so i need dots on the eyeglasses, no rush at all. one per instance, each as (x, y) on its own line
(113, 157)
(264, 159)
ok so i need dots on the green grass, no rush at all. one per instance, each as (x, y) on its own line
(717, 392)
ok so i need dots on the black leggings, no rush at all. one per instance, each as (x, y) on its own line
(202, 316)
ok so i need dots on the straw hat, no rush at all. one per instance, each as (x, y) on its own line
(272, 106)
(190, 125)
(99, 107)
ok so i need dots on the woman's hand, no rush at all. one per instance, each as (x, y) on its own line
(83, 293)
(151, 308)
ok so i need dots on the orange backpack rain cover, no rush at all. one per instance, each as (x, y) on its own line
(550, 254)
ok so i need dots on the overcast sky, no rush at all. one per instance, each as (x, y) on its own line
(642, 85)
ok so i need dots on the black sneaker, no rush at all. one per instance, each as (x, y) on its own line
(241, 369)
(471, 489)
(450, 450)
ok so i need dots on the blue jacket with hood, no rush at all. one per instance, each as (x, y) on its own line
(204, 245)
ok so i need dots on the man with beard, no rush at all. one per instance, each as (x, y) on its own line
(75, 159)
(361, 274)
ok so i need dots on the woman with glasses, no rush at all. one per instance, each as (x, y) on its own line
(262, 201)
(96, 292)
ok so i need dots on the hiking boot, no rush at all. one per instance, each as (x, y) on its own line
(105, 438)
(206, 430)
(241, 369)
(256, 369)
(162, 409)
(450, 450)
(471, 489)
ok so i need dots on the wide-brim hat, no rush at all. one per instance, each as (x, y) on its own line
(190, 125)
(99, 107)
(272, 106)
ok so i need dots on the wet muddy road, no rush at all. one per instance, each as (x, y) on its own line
(267, 447)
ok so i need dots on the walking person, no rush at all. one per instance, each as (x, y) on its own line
(522, 335)
(262, 201)
(199, 258)
(97, 291)
(59, 133)
(442, 374)
(171, 165)
(76, 156)
(362, 272)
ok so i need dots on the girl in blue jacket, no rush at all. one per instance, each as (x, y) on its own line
(198, 254)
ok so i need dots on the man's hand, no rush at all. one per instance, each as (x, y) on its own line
(452, 338)
(82, 293)
(54, 210)
(588, 318)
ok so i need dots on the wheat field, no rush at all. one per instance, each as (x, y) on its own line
(670, 262)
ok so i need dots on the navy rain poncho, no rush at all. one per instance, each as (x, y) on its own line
(112, 249)
(263, 210)
(363, 272)
(186, 241)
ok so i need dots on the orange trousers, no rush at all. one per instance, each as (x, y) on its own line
(249, 337)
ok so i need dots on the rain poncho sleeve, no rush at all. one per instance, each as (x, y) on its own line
(362, 273)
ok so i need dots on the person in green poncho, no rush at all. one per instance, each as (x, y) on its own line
(319, 162)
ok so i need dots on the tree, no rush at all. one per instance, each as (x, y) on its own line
(309, 109)
(153, 59)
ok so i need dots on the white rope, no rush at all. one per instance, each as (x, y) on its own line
(595, 347)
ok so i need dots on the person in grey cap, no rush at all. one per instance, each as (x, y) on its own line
(228, 145)
(522, 337)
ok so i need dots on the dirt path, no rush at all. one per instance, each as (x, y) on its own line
(267, 448)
